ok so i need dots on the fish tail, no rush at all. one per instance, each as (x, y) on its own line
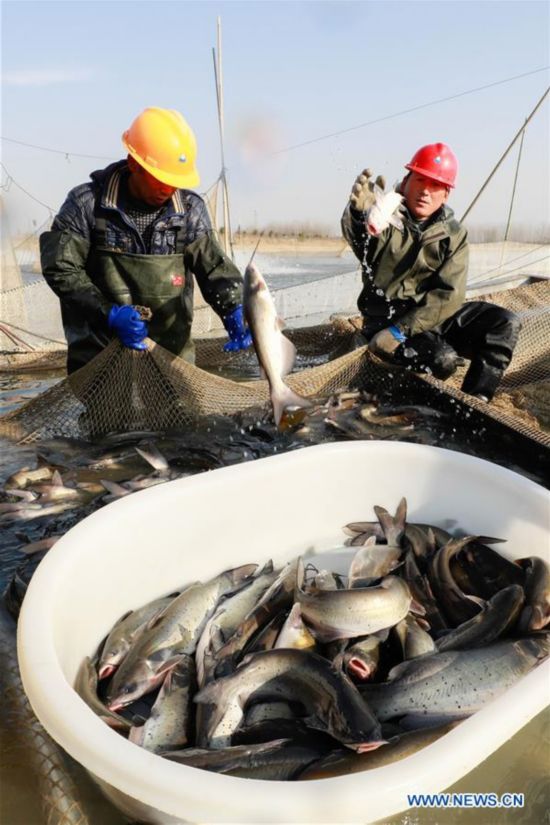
(283, 397)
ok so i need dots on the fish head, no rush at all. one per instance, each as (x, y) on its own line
(253, 279)
(382, 213)
(361, 668)
(129, 684)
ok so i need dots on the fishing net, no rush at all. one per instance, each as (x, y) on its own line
(124, 390)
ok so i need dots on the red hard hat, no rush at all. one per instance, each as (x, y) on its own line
(436, 161)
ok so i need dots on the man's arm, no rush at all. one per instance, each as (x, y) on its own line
(63, 255)
(361, 198)
(445, 295)
(218, 278)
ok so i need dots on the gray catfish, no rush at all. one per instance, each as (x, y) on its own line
(125, 632)
(278, 759)
(276, 354)
(537, 593)
(174, 634)
(452, 685)
(495, 618)
(341, 614)
(86, 687)
(332, 702)
(168, 724)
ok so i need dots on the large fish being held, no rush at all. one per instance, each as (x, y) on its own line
(384, 212)
(276, 354)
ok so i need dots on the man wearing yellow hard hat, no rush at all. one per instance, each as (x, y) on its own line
(136, 235)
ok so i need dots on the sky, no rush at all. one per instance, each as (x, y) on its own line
(75, 74)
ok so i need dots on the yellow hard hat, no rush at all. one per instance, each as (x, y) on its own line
(163, 143)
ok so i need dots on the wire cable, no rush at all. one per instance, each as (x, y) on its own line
(11, 180)
(407, 111)
(68, 155)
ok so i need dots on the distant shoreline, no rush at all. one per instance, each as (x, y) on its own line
(296, 244)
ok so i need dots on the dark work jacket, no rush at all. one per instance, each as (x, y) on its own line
(93, 255)
(414, 277)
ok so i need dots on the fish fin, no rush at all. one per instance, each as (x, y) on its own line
(154, 620)
(359, 567)
(423, 666)
(240, 575)
(476, 600)
(538, 618)
(153, 456)
(285, 397)
(137, 734)
(300, 574)
(217, 638)
(417, 608)
(378, 192)
(288, 351)
(489, 540)
(392, 527)
(56, 479)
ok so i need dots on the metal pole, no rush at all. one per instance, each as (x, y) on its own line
(226, 210)
(515, 184)
(228, 241)
(221, 141)
(475, 200)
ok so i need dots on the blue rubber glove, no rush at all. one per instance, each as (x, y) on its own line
(385, 342)
(238, 333)
(125, 321)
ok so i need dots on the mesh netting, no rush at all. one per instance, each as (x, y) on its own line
(27, 745)
(124, 390)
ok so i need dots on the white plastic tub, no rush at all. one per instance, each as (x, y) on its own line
(153, 541)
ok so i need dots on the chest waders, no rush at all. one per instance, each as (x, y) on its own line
(155, 281)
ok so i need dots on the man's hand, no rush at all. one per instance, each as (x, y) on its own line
(362, 195)
(238, 333)
(385, 342)
(125, 321)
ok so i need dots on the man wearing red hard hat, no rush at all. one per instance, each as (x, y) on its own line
(136, 234)
(414, 279)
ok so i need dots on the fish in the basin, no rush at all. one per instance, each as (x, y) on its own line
(169, 723)
(277, 597)
(414, 640)
(495, 617)
(175, 633)
(125, 632)
(384, 211)
(457, 606)
(86, 687)
(340, 614)
(294, 634)
(372, 561)
(276, 353)
(537, 593)
(361, 658)
(279, 759)
(454, 684)
(421, 590)
(227, 618)
(332, 702)
(342, 761)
